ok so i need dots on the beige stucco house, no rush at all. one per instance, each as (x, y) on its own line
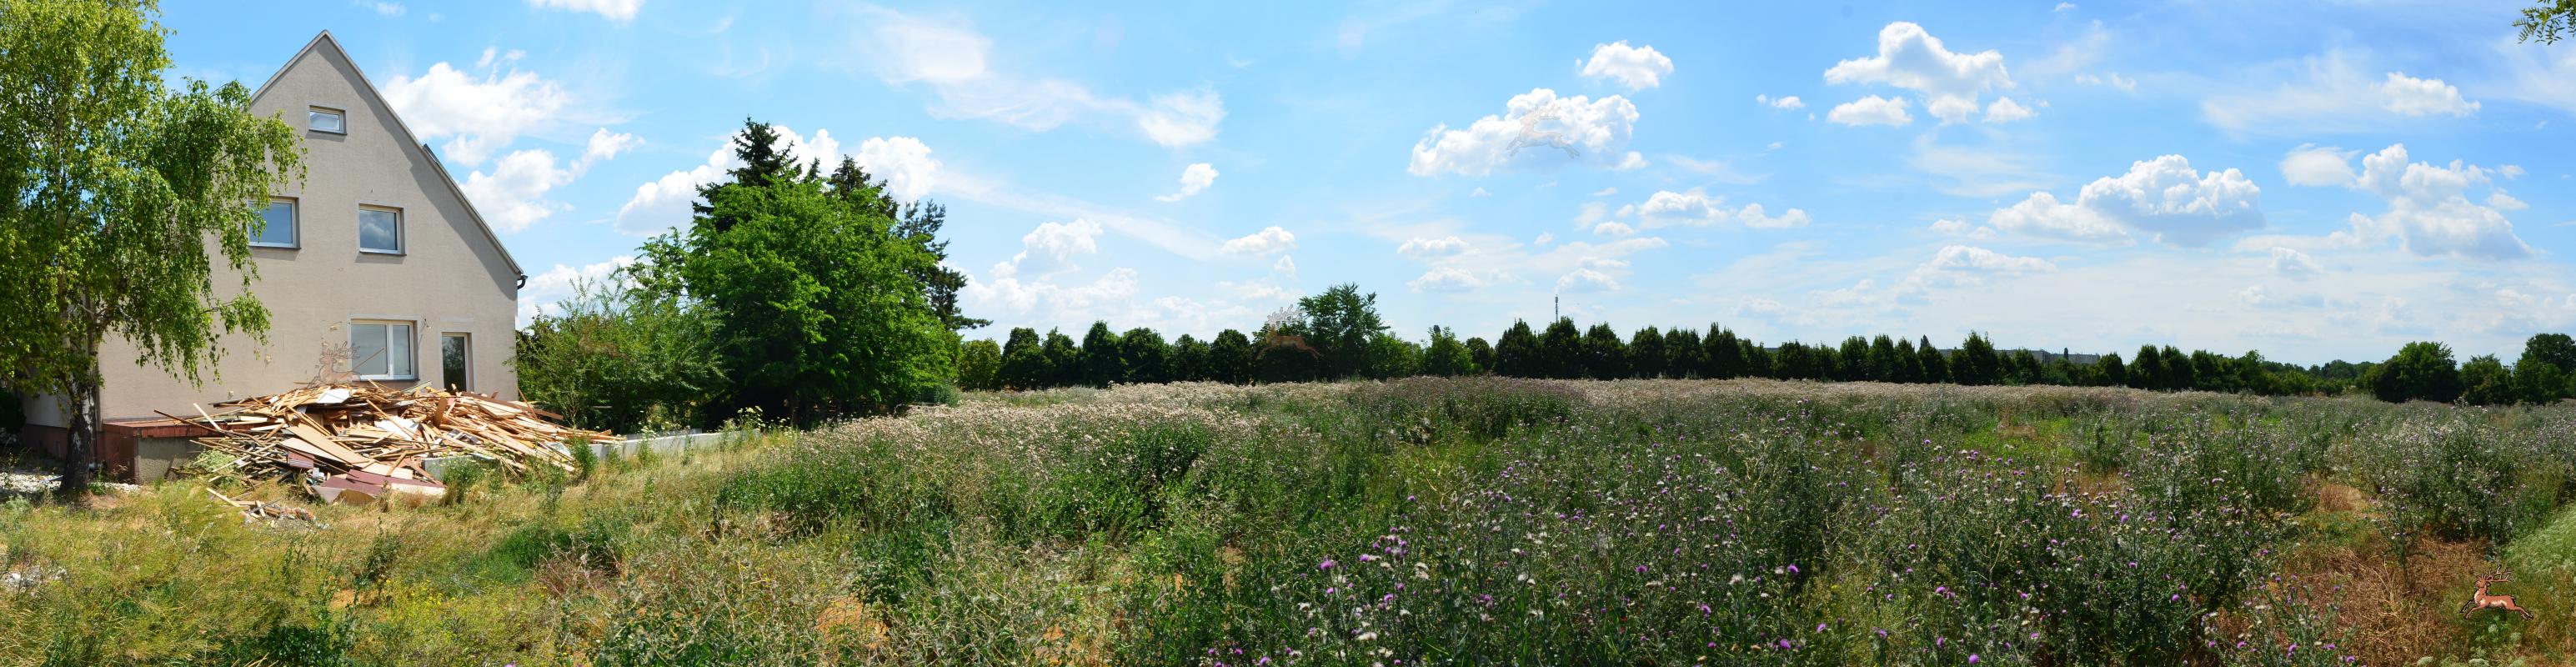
(375, 269)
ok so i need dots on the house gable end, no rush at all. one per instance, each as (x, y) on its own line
(325, 52)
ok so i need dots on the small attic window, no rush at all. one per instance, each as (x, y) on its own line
(328, 120)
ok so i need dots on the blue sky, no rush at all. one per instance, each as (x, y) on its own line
(2314, 181)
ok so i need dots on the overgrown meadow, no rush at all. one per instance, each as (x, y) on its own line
(1415, 522)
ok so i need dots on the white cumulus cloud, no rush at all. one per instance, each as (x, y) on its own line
(1268, 240)
(1637, 67)
(903, 162)
(2429, 207)
(2423, 97)
(1911, 58)
(2165, 198)
(1696, 207)
(620, 11)
(477, 115)
(2314, 165)
(1535, 126)
(1446, 279)
(1419, 247)
(1784, 103)
(513, 195)
(1871, 110)
(1196, 177)
(2005, 110)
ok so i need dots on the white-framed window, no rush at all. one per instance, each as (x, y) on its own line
(278, 225)
(381, 350)
(326, 119)
(380, 230)
(455, 361)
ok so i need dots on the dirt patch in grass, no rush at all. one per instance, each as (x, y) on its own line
(2396, 616)
(2335, 497)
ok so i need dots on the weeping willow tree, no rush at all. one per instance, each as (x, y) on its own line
(118, 194)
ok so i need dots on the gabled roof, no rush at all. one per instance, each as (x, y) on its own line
(368, 87)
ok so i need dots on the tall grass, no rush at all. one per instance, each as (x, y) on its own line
(1415, 522)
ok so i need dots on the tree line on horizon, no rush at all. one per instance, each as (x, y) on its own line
(1339, 334)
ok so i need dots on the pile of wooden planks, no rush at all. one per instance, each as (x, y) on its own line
(368, 439)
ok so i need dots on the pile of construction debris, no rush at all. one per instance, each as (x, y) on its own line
(356, 443)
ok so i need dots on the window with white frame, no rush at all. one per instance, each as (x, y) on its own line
(381, 350)
(277, 228)
(380, 230)
(325, 119)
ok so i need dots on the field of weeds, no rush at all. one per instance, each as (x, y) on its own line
(1417, 522)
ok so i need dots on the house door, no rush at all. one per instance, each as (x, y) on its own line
(454, 360)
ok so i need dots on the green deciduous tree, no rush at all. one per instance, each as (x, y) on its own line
(1936, 366)
(2485, 381)
(817, 311)
(918, 222)
(119, 196)
(1190, 360)
(2148, 371)
(1101, 364)
(1852, 361)
(1604, 356)
(1976, 363)
(1445, 356)
(1646, 358)
(618, 358)
(1063, 360)
(1518, 352)
(1683, 356)
(2110, 372)
(1145, 357)
(1024, 361)
(1481, 354)
(1726, 358)
(979, 365)
(1339, 325)
(1561, 348)
(1230, 357)
(2420, 371)
(1389, 356)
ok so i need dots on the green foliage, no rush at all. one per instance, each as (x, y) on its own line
(979, 366)
(1518, 352)
(1024, 361)
(1603, 356)
(2548, 21)
(1446, 357)
(2485, 381)
(1101, 364)
(1231, 358)
(2421, 371)
(1340, 324)
(1389, 356)
(818, 312)
(1646, 357)
(619, 358)
(1976, 363)
(1561, 351)
(1144, 357)
(1190, 360)
(121, 198)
